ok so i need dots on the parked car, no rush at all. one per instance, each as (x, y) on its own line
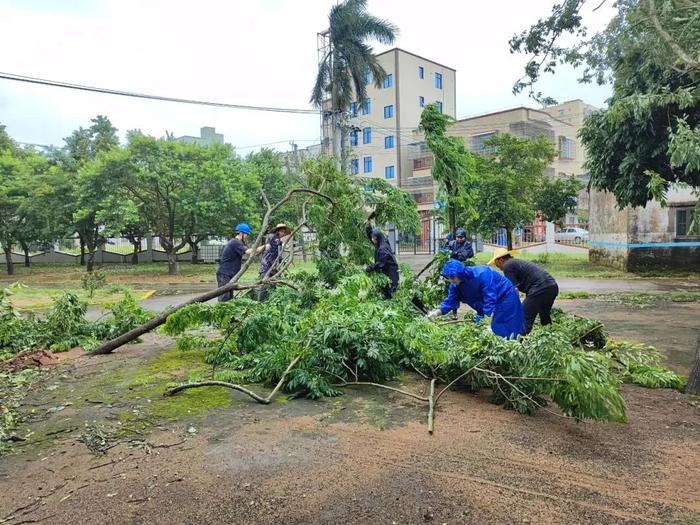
(571, 235)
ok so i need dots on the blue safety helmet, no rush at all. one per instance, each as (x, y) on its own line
(461, 232)
(244, 228)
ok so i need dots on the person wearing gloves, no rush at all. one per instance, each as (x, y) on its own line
(384, 260)
(539, 287)
(460, 248)
(489, 293)
(232, 258)
(273, 250)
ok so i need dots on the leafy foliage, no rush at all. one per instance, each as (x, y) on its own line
(350, 333)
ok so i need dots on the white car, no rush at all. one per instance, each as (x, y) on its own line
(571, 235)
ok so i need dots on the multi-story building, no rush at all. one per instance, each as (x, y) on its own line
(382, 126)
(560, 124)
(207, 137)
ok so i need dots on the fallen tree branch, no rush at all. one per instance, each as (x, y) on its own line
(431, 407)
(385, 387)
(425, 268)
(458, 378)
(232, 285)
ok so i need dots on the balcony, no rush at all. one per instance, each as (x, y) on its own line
(423, 163)
(416, 182)
(423, 197)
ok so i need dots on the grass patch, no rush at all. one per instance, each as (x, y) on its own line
(39, 298)
(638, 300)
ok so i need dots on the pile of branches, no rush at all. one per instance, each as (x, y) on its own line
(64, 326)
(314, 340)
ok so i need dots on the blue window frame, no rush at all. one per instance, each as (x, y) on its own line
(368, 77)
(438, 80)
(353, 137)
(388, 80)
(439, 105)
(353, 109)
(388, 111)
(367, 136)
(367, 161)
(366, 106)
(421, 72)
(389, 172)
(389, 142)
(355, 166)
(421, 101)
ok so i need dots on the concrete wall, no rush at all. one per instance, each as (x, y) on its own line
(608, 233)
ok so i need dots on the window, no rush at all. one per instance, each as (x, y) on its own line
(388, 80)
(438, 80)
(388, 111)
(421, 101)
(367, 136)
(353, 137)
(366, 106)
(389, 142)
(684, 221)
(368, 77)
(389, 172)
(353, 109)
(354, 166)
(439, 105)
(478, 142)
(421, 72)
(367, 164)
(567, 148)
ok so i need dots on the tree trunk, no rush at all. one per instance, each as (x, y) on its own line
(509, 238)
(194, 247)
(8, 260)
(135, 253)
(173, 266)
(82, 251)
(452, 219)
(693, 386)
(27, 259)
(90, 260)
(337, 140)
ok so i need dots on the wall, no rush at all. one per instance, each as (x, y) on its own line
(608, 232)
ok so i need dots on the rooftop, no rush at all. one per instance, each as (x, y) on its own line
(417, 56)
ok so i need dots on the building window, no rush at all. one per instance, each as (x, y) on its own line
(367, 136)
(438, 104)
(353, 137)
(389, 172)
(421, 101)
(389, 142)
(355, 166)
(368, 78)
(438, 80)
(421, 72)
(684, 221)
(567, 148)
(479, 142)
(353, 109)
(367, 164)
(366, 106)
(388, 80)
(388, 111)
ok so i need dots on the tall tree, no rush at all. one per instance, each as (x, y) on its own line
(649, 136)
(510, 180)
(556, 197)
(343, 70)
(453, 165)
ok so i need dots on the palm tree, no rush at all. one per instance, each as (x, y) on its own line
(343, 69)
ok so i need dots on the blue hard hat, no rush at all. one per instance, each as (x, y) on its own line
(244, 228)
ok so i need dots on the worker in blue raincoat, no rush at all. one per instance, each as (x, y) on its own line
(488, 292)
(461, 249)
(384, 260)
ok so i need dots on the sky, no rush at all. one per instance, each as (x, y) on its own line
(253, 52)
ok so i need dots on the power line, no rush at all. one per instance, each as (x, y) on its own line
(93, 89)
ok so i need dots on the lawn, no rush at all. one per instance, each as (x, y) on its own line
(39, 298)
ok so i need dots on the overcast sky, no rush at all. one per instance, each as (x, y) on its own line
(256, 52)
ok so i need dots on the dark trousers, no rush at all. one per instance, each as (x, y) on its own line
(221, 280)
(539, 303)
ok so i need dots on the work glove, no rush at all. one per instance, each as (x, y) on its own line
(434, 314)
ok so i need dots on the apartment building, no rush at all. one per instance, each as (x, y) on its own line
(560, 124)
(207, 137)
(382, 125)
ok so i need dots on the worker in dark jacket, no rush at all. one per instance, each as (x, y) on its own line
(384, 260)
(489, 293)
(460, 248)
(271, 255)
(232, 258)
(539, 287)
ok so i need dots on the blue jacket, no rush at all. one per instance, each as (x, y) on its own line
(489, 293)
(461, 251)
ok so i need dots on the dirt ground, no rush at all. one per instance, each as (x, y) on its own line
(366, 457)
